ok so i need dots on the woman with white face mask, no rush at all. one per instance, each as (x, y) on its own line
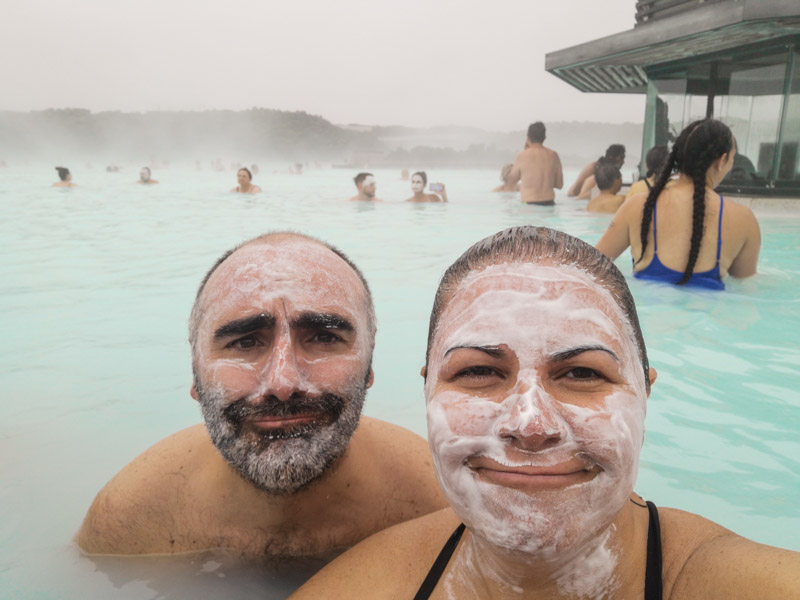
(418, 182)
(536, 381)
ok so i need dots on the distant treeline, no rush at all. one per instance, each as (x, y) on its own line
(64, 135)
(113, 136)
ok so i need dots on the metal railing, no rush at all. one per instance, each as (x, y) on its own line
(651, 10)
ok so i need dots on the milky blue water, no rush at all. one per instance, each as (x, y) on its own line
(96, 284)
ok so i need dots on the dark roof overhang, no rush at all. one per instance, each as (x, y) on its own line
(617, 63)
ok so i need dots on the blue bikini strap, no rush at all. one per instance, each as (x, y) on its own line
(719, 231)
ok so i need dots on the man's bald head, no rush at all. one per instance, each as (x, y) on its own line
(276, 238)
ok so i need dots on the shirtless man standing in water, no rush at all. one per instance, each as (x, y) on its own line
(538, 168)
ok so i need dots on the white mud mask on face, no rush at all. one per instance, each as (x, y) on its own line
(537, 423)
(417, 184)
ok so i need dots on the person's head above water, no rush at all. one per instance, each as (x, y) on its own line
(63, 173)
(704, 153)
(144, 174)
(418, 182)
(536, 384)
(656, 158)
(365, 183)
(282, 332)
(244, 176)
(607, 177)
(616, 153)
(536, 132)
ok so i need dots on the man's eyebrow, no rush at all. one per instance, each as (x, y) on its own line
(245, 325)
(315, 320)
(492, 351)
(572, 352)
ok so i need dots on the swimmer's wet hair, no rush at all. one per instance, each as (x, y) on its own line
(536, 132)
(62, 173)
(361, 177)
(424, 176)
(505, 172)
(655, 160)
(615, 151)
(605, 175)
(197, 310)
(529, 244)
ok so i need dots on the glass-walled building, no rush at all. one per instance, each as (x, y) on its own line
(734, 60)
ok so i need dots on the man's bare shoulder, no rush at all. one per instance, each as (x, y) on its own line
(143, 496)
(385, 448)
(702, 559)
(390, 564)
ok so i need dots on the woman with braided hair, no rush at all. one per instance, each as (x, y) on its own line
(686, 233)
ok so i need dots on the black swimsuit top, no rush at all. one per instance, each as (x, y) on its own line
(652, 574)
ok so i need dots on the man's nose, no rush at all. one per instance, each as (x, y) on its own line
(281, 374)
(533, 422)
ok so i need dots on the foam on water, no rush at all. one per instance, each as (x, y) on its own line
(96, 284)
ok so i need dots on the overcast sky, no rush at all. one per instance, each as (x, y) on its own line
(415, 62)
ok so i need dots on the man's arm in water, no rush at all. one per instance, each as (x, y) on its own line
(575, 188)
(516, 171)
(559, 178)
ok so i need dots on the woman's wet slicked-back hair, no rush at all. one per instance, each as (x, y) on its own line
(529, 244)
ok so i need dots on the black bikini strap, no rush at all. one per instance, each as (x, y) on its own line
(652, 574)
(438, 567)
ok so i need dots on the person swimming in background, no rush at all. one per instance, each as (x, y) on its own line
(66, 178)
(245, 178)
(609, 182)
(404, 175)
(506, 187)
(686, 233)
(584, 184)
(366, 186)
(418, 182)
(655, 160)
(145, 176)
(254, 169)
(536, 384)
(538, 168)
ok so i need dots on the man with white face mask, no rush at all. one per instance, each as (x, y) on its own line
(366, 186)
(282, 333)
(536, 382)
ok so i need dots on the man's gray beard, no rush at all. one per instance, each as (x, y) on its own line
(282, 462)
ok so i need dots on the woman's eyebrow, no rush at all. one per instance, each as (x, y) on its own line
(492, 351)
(572, 352)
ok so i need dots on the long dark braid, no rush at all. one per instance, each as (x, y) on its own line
(707, 142)
(675, 163)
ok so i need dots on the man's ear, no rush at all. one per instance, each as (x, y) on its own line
(424, 371)
(371, 378)
(652, 375)
(193, 391)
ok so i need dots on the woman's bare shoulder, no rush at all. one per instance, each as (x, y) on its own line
(389, 564)
(702, 559)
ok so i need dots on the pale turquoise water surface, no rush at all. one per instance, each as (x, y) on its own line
(96, 285)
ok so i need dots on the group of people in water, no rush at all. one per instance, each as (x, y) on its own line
(536, 379)
(65, 177)
(367, 186)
